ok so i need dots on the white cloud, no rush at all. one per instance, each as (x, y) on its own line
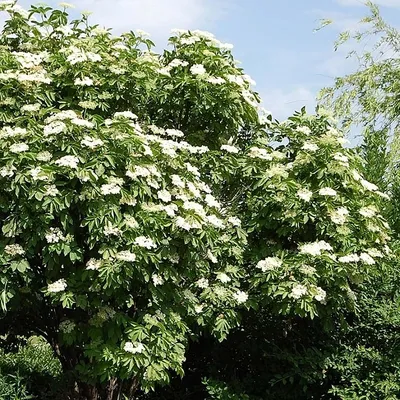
(282, 103)
(385, 3)
(157, 17)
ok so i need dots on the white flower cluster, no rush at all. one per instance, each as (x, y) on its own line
(30, 60)
(143, 241)
(240, 296)
(51, 190)
(327, 191)
(230, 149)
(134, 348)
(14, 250)
(309, 146)
(37, 77)
(339, 216)
(110, 188)
(203, 283)
(85, 81)
(19, 148)
(93, 264)
(198, 69)
(126, 256)
(125, 114)
(91, 142)
(315, 248)
(298, 291)
(78, 55)
(269, 264)
(54, 235)
(8, 131)
(31, 107)
(157, 280)
(305, 194)
(68, 161)
(58, 286)
(257, 152)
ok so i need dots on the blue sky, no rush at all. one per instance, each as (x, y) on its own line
(274, 40)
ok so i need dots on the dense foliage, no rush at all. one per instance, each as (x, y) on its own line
(156, 224)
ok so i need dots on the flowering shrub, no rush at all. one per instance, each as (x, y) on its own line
(112, 246)
(313, 221)
(123, 173)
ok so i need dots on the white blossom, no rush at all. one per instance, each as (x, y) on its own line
(82, 122)
(202, 283)
(134, 348)
(91, 142)
(298, 291)
(211, 257)
(211, 201)
(170, 209)
(256, 152)
(215, 221)
(145, 242)
(174, 133)
(85, 81)
(304, 129)
(177, 181)
(230, 149)
(194, 170)
(110, 230)
(310, 146)
(198, 69)
(367, 259)
(315, 248)
(327, 191)
(339, 216)
(54, 127)
(240, 296)
(52, 190)
(125, 255)
(66, 5)
(269, 264)
(235, 221)
(304, 194)
(30, 107)
(368, 185)
(224, 278)
(111, 188)
(215, 80)
(350, 258)
(320, 295)
(157, 280)
(58, 286)
(340, 157)
(198, 308)
(54, 235)
(126, 114)
(19, 147)
(93, 264)
(178, 63)
(68, 161)
(164, 195)
(7, 171)
(307, 269)
(44, 156)
(14, 250)
(368, 212)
